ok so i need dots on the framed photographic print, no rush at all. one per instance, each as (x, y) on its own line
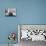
(33, 32)
(10, 11)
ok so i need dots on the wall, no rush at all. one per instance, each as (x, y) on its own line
(28, 12)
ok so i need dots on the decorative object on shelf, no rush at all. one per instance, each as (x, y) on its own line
(11, 37)
(10, 11)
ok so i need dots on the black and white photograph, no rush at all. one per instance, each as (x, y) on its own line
(10, 12)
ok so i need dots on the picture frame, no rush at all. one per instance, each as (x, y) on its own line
(38, 30)
(10, 11)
